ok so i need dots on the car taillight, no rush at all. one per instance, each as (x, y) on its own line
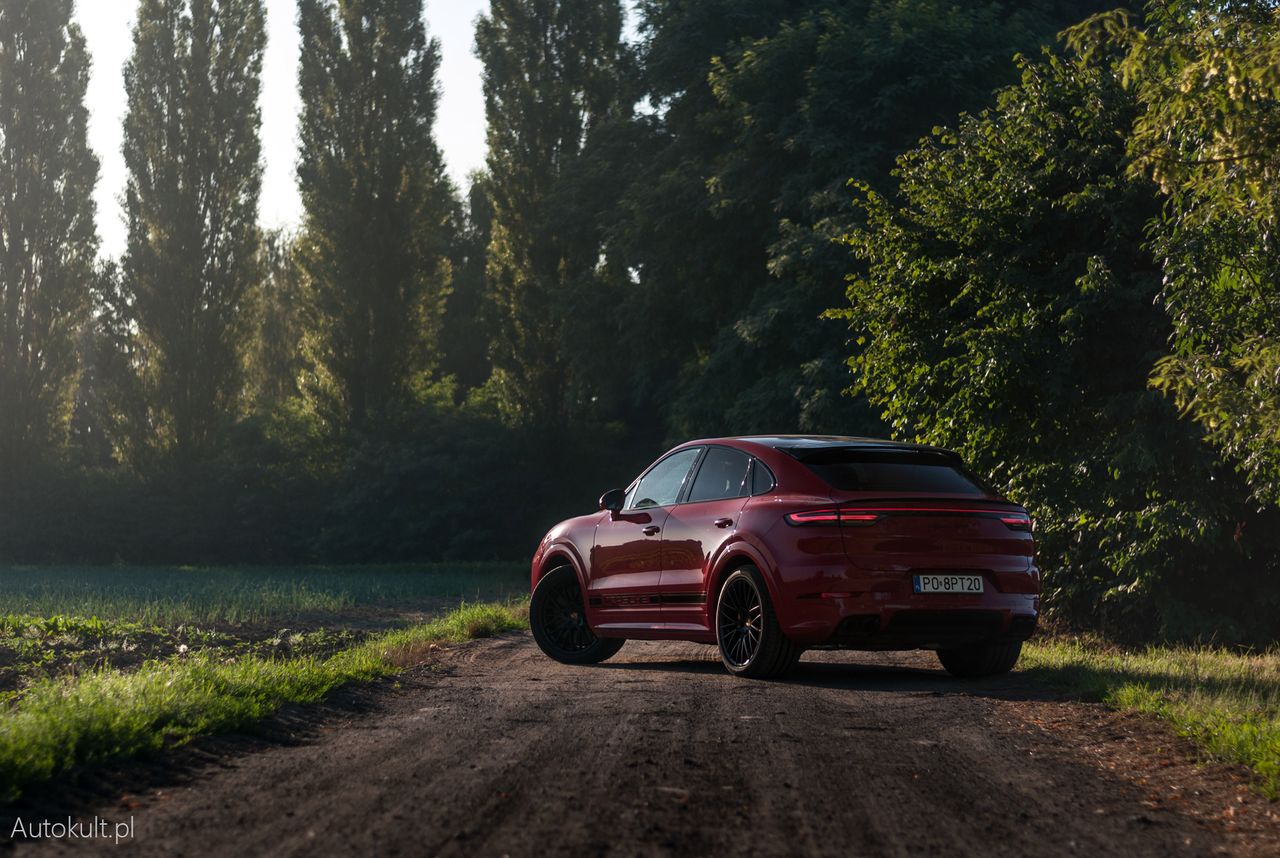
(814, 516)
(1017, 521)
(833, 516)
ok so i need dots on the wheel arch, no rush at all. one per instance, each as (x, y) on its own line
(734, 558)
(559, 555)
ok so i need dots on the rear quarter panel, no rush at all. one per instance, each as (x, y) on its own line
(798, 560)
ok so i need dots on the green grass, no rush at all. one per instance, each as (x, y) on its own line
(1227, 703)
(61, 620)
(110, 714)
(220, 596)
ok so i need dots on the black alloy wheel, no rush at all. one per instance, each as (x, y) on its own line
(565, 620)
(739, 620)
(747, 631)
(559, 621)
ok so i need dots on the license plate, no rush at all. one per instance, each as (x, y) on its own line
(947, 583)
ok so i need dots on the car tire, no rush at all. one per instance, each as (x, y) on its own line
(978, 660)
(750, 641)
(559, 621)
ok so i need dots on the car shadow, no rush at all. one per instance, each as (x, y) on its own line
(853, 675)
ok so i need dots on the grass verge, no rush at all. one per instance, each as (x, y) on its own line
(170, 596)
(1227, 703)
(111, 714)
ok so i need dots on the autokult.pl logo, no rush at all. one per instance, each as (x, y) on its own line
(72, 829)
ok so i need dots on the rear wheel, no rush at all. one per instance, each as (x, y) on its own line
(751, 641)
(559, 622)
(976, 660)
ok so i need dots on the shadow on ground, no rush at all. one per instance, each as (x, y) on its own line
(867, 672)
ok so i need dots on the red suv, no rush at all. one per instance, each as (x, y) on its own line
(768, 546)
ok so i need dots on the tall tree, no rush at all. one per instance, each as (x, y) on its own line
(47, 236)
(275, 359)
(466, 330)
(380, 211)
(551, 76)
(191, 147)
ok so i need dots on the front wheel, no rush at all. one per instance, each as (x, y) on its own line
(977, 660)
(751, 641)
(559, 622)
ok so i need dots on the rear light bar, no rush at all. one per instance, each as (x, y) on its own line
(833, 516)
(866, 516)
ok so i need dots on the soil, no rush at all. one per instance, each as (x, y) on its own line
(492, 749)
(314, 633)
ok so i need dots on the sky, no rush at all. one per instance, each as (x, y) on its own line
(108, 25)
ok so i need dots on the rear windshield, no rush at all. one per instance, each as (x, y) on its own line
(859, 470)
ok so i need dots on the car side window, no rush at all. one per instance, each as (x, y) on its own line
(761, 478)
(661, 486)
(722, 474)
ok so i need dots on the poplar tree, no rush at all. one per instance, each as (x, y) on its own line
(465, 334)
(47, 236)
(550, 78)
(274, 362)
(192, 152)
(379, 207)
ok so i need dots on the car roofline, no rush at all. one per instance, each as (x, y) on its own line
(787, 443)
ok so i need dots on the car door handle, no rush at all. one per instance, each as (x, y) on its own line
(651, 530)
(723, 522)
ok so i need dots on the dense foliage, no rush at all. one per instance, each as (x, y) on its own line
(835, 90)
(1009, 311)
(1071, 280)
(1208, 77)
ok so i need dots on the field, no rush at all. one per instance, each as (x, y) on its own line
(59, 621)
(103, 663)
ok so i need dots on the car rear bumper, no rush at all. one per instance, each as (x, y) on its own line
(887, 615)
(929, 629)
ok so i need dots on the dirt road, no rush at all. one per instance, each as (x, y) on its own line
(496, 750)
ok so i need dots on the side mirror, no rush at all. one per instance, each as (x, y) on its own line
(612, 500)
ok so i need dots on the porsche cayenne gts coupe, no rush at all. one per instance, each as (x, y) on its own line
(768, 546)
